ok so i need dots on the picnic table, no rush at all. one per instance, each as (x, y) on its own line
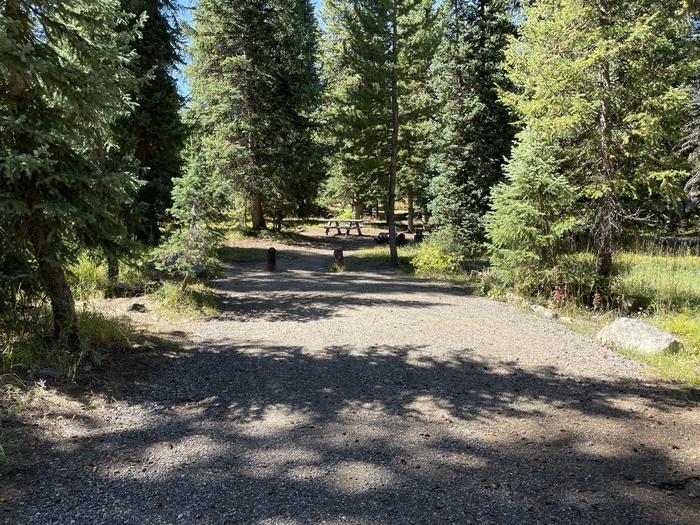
(347, 225)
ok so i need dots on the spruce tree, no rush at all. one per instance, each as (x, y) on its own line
(603, 82)
(64, 82)
(153, 134)
(473, 130)
(254, 88)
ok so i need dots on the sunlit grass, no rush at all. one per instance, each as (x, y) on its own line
(196, 301)
(670, 282)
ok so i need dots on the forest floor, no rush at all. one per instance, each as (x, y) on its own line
(364, 396)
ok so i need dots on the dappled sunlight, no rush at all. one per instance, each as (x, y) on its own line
(358, 477)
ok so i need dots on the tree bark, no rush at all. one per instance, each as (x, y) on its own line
(53, 277)
(604, 225)
(358, 210)
(112, 273)
(393, 166)
(411, 212)
(257, 214)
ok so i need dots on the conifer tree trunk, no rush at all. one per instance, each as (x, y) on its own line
(358, 210)
(393, 167)
(411, 212)
(112, 272)
(53, 278)
(257, 214)
(603, 228)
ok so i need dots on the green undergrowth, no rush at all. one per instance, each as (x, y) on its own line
(668, 282)
(26, 345)
(284, 236)
(238, 254)
(194, 302)
(88, 276)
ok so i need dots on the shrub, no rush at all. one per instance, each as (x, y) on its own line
(432, 259)
(533, 215)
(188, 253)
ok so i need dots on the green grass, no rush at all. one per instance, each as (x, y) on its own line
(196, 301)
(284, 236)
(27, 346)
(236, 254)
(378, 257)
(88, 276)
(669, 282)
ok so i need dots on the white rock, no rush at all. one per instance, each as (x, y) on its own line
(630, 334)
(543, 311)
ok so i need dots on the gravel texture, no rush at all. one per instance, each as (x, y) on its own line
(368, 398)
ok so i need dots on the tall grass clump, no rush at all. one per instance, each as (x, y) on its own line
(88, 277)
(26, 343)
(194, 301)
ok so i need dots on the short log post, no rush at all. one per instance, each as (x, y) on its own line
(338, 259)
(271, 260)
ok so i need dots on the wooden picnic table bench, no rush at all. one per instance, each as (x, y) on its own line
(349, 224)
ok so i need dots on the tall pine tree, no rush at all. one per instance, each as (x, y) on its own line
(378, 53)
(473, 130)
(254, 89)
(64, 82)
(153, 135)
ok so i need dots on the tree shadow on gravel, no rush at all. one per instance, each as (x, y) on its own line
(258, 433)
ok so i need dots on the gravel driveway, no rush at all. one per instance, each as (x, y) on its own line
(368, 398)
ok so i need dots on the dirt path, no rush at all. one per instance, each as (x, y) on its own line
(373, 398)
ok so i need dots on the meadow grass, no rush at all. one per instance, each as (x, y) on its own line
(670, 282)
(88, 276)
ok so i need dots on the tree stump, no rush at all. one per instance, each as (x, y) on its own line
(271, 260)
(338, 259)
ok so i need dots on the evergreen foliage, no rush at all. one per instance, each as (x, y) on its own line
(534, 212)
(64, 82)
(153, 134)
(473, 131)
(378, 55)
(602, 84)
(254, 89)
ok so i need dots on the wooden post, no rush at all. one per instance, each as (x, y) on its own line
(271, 260)
(338, 258)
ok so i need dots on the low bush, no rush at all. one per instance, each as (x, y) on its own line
(433, 260)
(189, 253)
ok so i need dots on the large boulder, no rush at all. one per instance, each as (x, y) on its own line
(630, 334)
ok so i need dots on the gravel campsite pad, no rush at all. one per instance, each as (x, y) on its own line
(362, 398)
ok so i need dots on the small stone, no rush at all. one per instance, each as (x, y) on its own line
(135, 306)
(47, 373)
(543, 311)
